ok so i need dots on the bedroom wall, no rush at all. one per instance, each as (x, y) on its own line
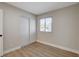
(65, 28)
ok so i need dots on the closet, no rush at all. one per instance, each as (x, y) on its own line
(27, 30)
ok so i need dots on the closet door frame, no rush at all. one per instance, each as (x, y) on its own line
(1, 32)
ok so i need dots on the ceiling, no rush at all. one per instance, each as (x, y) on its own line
(38, 8)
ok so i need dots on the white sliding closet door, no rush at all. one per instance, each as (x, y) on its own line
(32, 30)
(28, 30)
(25, 31)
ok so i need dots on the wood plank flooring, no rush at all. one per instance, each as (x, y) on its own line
(40, 50)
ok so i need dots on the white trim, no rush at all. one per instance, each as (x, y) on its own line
(13, 49)
(61, 47)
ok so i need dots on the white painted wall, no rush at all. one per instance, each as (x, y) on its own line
(65, 28)
(11, 26)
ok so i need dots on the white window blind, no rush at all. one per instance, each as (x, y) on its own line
(46, 24)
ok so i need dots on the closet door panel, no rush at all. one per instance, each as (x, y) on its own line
(32, 30)
(24, 22)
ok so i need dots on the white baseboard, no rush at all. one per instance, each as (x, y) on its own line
(61, 47)
(13, 49)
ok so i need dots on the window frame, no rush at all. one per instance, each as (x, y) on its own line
(45, 24)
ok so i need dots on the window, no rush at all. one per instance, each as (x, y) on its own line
(45, 24)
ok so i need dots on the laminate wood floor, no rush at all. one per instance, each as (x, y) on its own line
(40, 50)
